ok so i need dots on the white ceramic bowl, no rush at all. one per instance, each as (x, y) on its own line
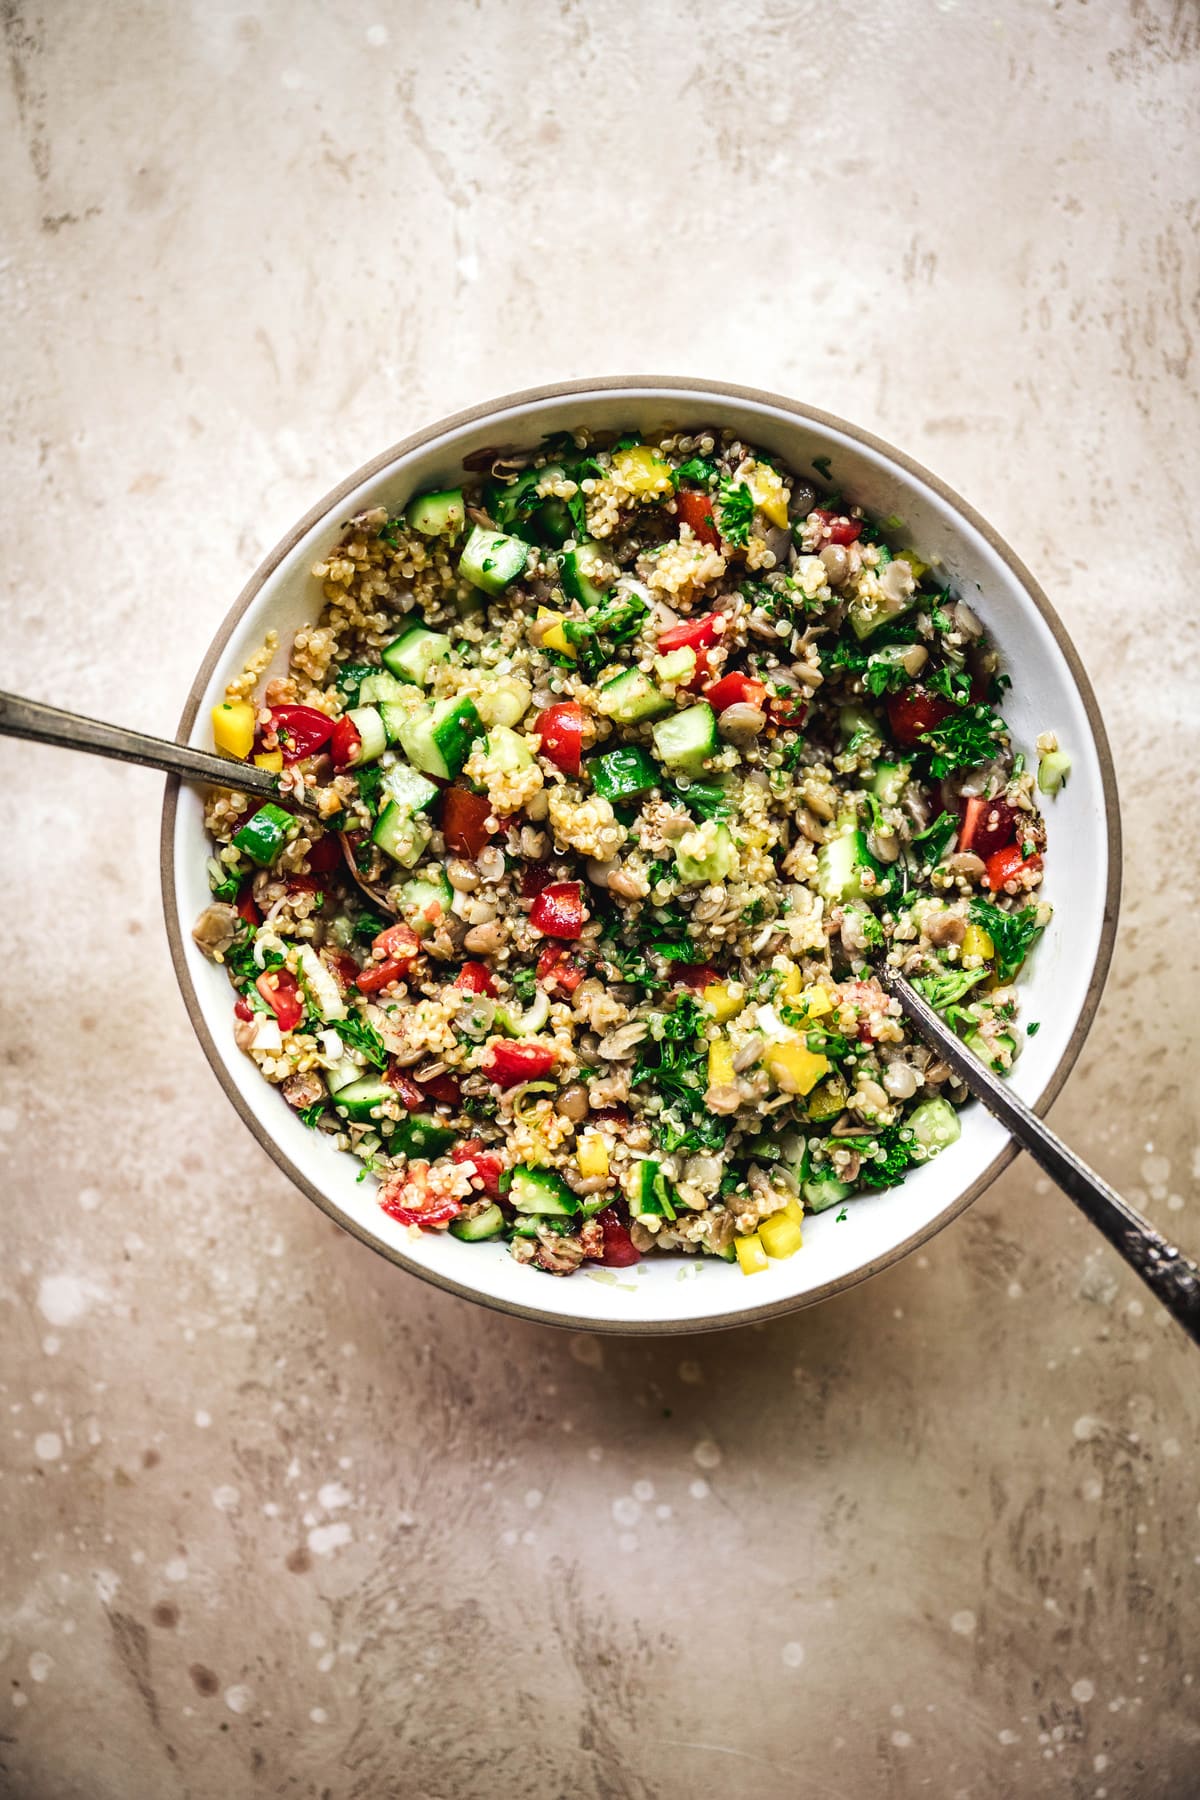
(1062, 982)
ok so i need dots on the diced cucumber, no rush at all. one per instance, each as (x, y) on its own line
(425, 900)
(999, 1055)
(411, 791)
(342, 1074)
(687, 739)
(506, 750)
(858, 727)
(846, 870)
(505, 701)
(677, 665)
(440, 514)
(935, 1124)
(517, 507)
(491, 561)
(320, 987)
(437, 739)
(263, 835)
(401, 834)
(1053, 769)
(381, 685)
(577, 571)
(373, 742)
(350, 677)
(631, 697)
(728, 1254)
(623, 774)
(889, 780)
(719, 860)
(823, 1191)
(542, 1191)
(362, 1099)
(396, 715)
(413, 655)
(651, 1191)
(420, 1135)
(867, 616)
(486, 1224)
(827, 1100)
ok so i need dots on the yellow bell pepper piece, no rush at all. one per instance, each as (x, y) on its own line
(233, 727)
(794, 1211)
(591, 1154)
(720, 1062)
(643, 471)
(270, 759)
(780, 1235)
(816, 1001)
(792, 985)
(978, 942)
(555, 638)
(767, 487)
(725, 998)
(914, 562)
(750, 1254)
(794, 1067)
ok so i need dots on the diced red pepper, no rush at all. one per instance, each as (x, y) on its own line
(444, 1089)
(305, 884)
(915, 710)
(242, 1009)
(560, 728)
(837, 528)
(380, 975)
(247, 906)
(406, 1089)
(558, 910)
(693, 975)
(535, 878)
(301, 730)
(281, 991)
(345, 744)
(693, 634)
(700, 673)
(325, 855)
(1004, 864)
(489, 1164)
(695, 508)
(788, 709)
(557, 968)
(735, 689)
(440, 1212)
(476, 978)
(399, 943)
(987, 826)
(620, 1252)
(507, 1063)
(343, 965)
(464, 821)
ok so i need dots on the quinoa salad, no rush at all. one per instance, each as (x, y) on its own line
(605, 780)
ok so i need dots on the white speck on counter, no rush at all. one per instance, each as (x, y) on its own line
(323, 1540)
(963, 1622)
(90, 1198)
(51, 1345)
(533, 1499)
(699, 1490)
(332, 1495)
(238, 1698)
(792, 1655)
(707, 1454)
(1083, 1691)
(203, 1420)
(902, 1739)
(318, 1715)
(643, 1491)
(40, 1666)
(626, 1510)
(226, 1498)
(1086, 1428)
(47, 1446)
(377, 36)
(62, 1299)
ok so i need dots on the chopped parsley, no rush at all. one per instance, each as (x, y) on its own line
(368, 926)
(309, 1115)
(823, 466)
(931, 843)
(698, 469)
(952, 684)
(369, 780)
(708, 799)
(227, 886)
(1013, 933)
(1033, 1027)
(359, 1034)
(673, 1062)
(524, 984)
(967, 738)
(735, 513)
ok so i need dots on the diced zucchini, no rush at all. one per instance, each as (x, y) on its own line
(491, 561)
(935, 1124)
(505, 701)
(687, 739)
(381, 685)
(368, 723)
(631, 697)
(846, 870)
(517, 507)
(413, 655)
(577, 571)
(437, 739)
(859, 728)
(410, 790)
(421, 1136)
(486, 1224)
(542, 1191)
(889, 780)
(401, 834)
(425, 900)
(362, 1099)
(440, 514)
(651, 1191)
(823, 1191)
(623, 774)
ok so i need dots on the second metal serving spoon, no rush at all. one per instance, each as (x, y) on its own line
(1171, 1276)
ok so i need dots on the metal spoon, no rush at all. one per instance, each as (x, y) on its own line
(1171, 1276)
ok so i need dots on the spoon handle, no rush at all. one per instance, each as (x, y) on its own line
(47, 725)
(1171, 1276)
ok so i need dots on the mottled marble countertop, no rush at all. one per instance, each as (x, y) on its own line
(276, 1519)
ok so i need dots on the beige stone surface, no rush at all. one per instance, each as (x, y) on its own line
(275, 1519)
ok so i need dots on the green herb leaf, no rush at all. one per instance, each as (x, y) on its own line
(699, 470)
(309, 1115)
(735, 513)
(1013, 933)
(967, 738)
(359, 1034)
(942, 990)
(823, 466)
(952, 684)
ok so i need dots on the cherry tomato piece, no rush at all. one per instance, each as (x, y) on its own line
(987, 826)
(399, 943)
(695, 508)
(837, 528)
(735, 689)
(915, 710)
(489, 1164)
(693, 975)
(464, 821)
(247, 906)
(444, 1090)
(325, 855)
(693, 634)
(242, 1009)
(281, 991)
(620, 1252)
(558, 910)
(346, 744)
(560, 728)
(507, 1063)
(406, 1089)
(301, 731)
(1004, 865)
(380, 975)
(557, 968)
(476, 978)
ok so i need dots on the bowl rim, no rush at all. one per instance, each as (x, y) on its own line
(636, 385)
